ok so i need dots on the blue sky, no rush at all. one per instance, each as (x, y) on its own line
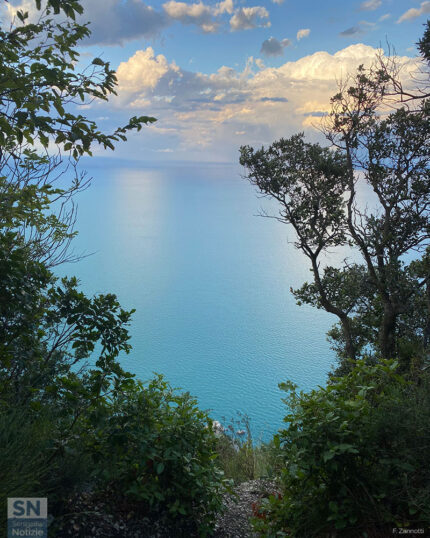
(221, 74)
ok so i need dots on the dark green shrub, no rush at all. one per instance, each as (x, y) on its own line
(356, 457)
(156, 448)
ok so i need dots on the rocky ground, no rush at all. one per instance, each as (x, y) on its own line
(235, 521)
(94, 520)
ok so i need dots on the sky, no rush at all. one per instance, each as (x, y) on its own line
(218, 75)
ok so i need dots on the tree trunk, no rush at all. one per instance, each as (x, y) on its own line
(387, 332)
(349, 342)
(426, 335)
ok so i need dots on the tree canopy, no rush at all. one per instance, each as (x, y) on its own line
(383, 302)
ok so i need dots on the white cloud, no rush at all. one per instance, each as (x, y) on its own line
(303, 33)
(246, 18)
(142, 72)
(370, 5)
(384, 17)
(199, 14)
(224, 7)
(413, 13)
(208, 18)
(208, 111)
(274, 47)
(259, 63)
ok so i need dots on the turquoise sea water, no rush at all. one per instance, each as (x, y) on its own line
(209, 279)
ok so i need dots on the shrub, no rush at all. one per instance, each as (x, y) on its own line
(356, 457)
(157, 449)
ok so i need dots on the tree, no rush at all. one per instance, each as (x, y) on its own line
(72, 419)
(42, 133)
(382, 303)
(48, 328)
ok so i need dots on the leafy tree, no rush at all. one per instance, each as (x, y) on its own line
(85, 423)
(382, 303)
(49, 327)
(41, 130)
(424, 43)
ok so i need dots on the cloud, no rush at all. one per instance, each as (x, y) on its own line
(117, 21)
(259, 63)
(274, 47)
(138, 77)
(349, 32)
(246, 18)
(278, 1)
(208, 18)
(370, 5)
(303, 33)
(384, 17)
(358, 29)
(413, 13)
(112, 22)
(274, 100)
(200, 14)
(202, 113)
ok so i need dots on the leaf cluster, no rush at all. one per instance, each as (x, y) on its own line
(355, 456)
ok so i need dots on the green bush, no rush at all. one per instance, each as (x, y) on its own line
(156, 448)
(356, 457)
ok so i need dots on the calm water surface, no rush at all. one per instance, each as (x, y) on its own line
(209, 279)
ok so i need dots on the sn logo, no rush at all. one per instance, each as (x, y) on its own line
(27, 508)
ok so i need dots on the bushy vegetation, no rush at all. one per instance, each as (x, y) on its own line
(155, 447)
(73, 423)
(353, 458)
(356, 458)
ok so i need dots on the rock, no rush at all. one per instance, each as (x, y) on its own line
(235, 521)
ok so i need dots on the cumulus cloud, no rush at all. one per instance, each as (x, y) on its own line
(303, 33)
(246, 18)
(208, 110)
(413, 13)
(141, 74)
(274, 47)
(370, 5)
(199, 14)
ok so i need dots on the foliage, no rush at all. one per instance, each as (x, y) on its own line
(356, 456)
(62, 390)
(424, 43)
(154, 447)
(43, 133)
(381, 302)
(39, 79)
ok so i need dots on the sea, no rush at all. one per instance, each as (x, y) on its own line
(200, 255)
